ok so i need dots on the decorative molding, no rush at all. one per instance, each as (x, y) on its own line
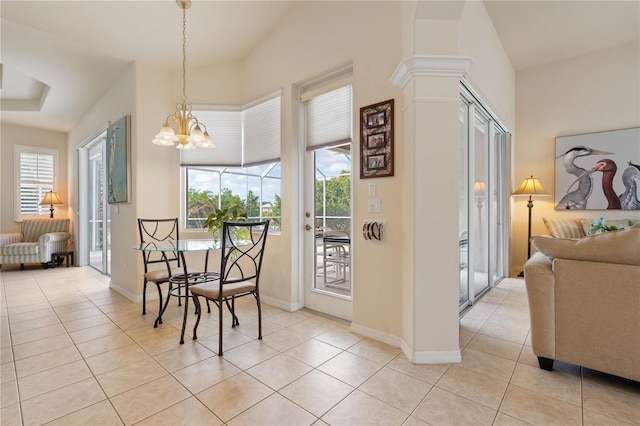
(378, 335)
(431, 357)
(430, 65)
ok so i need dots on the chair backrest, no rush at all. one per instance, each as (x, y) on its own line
(242, 251)
(158, 230)
(33, 228)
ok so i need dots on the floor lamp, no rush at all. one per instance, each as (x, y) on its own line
(531, 186)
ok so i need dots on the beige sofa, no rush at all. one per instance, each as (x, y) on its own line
(584, 300)
(37, 242)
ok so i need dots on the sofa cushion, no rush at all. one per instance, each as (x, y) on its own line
(621, 247)
(33, 228)
(587, 225)
(16, 249)
(564, 228)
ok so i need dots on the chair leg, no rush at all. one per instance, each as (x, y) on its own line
(220, 316)
(161, 307)
(144, 298)
(257, 295)
(196, 302)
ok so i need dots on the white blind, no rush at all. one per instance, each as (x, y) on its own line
(261, 133)
(328, 118)
(225, 130)
(36, 179)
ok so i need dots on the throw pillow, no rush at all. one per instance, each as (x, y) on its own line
(587, 224)
(620, 247)
(564, 228)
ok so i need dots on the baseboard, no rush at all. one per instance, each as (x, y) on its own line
(277, 303)
(378, 335)
(128, 295)
(431, 357)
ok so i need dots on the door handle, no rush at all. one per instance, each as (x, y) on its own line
(307, 227)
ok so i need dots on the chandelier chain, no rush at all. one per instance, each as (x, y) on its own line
(184, 54)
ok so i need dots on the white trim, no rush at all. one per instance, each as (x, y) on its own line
(130, 296)
(276, 303)
(430, 65)
(431, 357)
(378, 335)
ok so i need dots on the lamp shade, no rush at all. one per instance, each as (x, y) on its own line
(51, 198)
(530, 186)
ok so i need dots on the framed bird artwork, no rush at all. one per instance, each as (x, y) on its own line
(598, 171)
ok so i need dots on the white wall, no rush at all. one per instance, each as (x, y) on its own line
(315, 38)
(11, 135)
(119, 100)
(590, 93)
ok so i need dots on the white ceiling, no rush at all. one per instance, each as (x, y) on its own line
(69, 52)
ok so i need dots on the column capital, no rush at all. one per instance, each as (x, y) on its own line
(430, 65)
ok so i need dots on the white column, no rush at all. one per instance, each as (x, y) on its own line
(430, 85)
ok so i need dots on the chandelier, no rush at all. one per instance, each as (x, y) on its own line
(189, 132)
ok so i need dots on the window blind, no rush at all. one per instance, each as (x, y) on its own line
(243, 137)
(225, 130)
(261, 133)
(328, 117)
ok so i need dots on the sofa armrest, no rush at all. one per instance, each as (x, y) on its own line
(540, 286)
(597, 316)
(53, 237)
(10, 238)
(52, 242)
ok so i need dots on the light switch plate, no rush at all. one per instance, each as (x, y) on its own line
(372, 189)
(374, 205)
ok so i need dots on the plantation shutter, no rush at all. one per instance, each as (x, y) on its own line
(36, 178)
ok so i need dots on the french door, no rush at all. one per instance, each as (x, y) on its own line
(482, 201)
(327, 126)
(328, 281)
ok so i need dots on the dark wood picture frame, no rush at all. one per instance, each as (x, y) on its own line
(376, 140)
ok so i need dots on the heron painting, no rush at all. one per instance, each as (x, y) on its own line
(614, 154)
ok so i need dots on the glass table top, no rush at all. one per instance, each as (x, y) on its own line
(180, 245)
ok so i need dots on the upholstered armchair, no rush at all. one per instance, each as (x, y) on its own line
(39, 239)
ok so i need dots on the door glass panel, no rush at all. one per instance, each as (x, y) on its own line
(332, 220)
(479, 216)
(463, 190)
(99, 228)
(483, 206)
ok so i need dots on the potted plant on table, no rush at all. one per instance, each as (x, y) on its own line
(216, 219)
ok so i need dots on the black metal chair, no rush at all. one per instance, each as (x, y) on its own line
(156, 230)
(240, 265)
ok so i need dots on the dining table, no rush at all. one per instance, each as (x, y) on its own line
(178, 283)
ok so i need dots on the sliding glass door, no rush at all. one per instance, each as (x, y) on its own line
(482, 200)
(95, 232)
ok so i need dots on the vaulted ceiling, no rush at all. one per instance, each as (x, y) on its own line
(58, 57)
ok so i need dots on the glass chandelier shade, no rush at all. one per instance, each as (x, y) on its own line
(188, 133)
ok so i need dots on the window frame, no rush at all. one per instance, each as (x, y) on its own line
(221, 170)
(18, 182)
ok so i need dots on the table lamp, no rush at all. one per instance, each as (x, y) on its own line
(531, 186)
(51, 198)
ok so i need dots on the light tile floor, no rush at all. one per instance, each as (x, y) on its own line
(74, 352)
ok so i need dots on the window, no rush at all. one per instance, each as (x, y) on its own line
(35, 170)
(244, 172)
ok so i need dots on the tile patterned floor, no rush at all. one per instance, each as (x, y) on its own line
(74, 352)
